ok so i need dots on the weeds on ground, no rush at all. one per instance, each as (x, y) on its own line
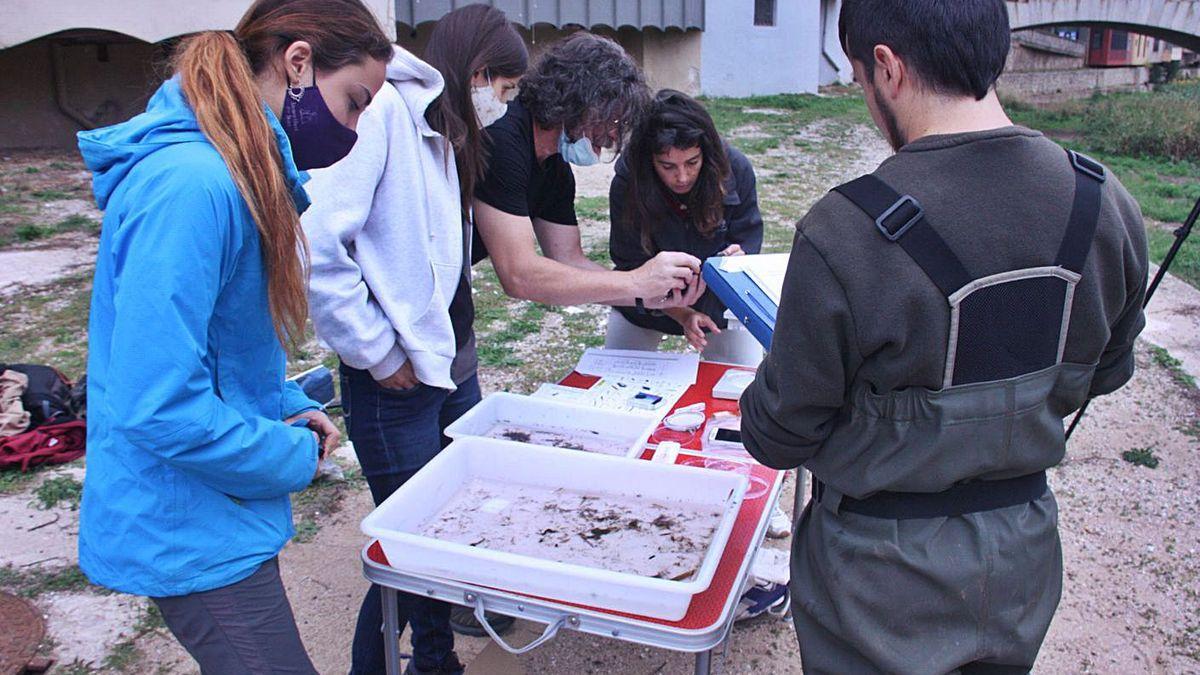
(1174, 366)
(1141, 457)
(322, 498)
(48, 325)
(32, 583)
(126, 656)
(59, 489)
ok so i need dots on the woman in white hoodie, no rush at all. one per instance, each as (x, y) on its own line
(390, 286)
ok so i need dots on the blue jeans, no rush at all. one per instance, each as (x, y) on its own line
(395, 433)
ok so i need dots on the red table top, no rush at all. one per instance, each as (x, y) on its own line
(707, 607)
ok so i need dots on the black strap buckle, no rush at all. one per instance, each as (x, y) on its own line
(906, 206)
(1087, 165)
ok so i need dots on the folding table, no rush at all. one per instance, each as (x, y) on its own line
(710, 615)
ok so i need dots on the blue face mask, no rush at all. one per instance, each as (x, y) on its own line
(579, 153)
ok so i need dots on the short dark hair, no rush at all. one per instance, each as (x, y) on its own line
(954, 46)
(583, 80)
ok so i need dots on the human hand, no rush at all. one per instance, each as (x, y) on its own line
(666, 272)
(733, 249)
(322, 428)
(695, 325)
(403, 378)
(686, 298)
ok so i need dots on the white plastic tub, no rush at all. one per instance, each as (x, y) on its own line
(397, 523)
(630, 430)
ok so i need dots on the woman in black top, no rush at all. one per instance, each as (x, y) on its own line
(680, 187)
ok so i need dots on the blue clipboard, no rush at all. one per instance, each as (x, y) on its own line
(742, 295)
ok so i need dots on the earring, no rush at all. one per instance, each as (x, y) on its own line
(295, 91)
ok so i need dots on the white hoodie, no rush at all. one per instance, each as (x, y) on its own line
(385, 229)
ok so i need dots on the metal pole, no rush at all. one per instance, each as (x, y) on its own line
(704, 662)
(391, 630)
(1181, 236)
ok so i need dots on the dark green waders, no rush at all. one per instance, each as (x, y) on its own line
(953, 576)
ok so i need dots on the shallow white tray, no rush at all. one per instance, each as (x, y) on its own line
(398, 521)
(631, 429)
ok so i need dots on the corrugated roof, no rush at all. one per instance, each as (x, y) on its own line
(662, 14)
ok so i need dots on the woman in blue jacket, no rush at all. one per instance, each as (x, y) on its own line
(193, 447)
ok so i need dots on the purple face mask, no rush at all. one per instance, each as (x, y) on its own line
(318, 139)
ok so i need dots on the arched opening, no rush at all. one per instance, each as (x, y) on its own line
(71, 80)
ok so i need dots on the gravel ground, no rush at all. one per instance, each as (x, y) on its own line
(1132, 593)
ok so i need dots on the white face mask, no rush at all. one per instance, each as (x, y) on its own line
(488, 106)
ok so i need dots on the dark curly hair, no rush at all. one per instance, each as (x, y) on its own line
(583, 81)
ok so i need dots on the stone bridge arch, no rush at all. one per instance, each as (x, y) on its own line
(1176, 21)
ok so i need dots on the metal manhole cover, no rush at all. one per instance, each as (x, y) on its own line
(23, 632)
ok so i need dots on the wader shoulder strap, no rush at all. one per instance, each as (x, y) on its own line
(1085, 213)
(902, 220)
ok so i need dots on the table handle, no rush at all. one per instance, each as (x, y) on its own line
(547, 635)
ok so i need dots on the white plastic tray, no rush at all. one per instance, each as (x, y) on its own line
(631, 429)
(397, 522)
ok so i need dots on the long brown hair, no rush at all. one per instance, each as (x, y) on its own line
(217, 72)
(465, 41)
(675, 120)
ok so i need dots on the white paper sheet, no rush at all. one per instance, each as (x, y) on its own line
(639, 366)
(767, 271)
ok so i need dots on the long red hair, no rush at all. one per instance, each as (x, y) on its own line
(217, 72)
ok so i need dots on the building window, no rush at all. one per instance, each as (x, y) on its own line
(764, 12)
(1097, 38)
(1120, 41)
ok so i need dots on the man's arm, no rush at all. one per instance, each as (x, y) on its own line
(1116, 362)
(789, 409)
(551, 280)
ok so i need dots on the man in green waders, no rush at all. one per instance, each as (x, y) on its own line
(939, 319)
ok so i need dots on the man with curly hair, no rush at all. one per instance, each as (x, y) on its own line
(577, 103)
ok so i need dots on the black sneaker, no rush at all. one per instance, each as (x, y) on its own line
(450, 666)
(463, 622)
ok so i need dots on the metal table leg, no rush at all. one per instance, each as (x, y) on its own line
(704, 662)
(391, 632)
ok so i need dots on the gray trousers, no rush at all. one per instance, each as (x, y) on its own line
(246, 627)
(967, 594)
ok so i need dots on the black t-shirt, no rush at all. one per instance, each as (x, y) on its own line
(516, 183)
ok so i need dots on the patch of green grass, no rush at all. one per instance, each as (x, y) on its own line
(59, 310)
(32, 583)
(1186, 265)
(1174, 366)
(31, 232)
(306, 531)
(32, 169)
(62, 166)
(15, 480)
(49, 195)
(592, 208)
(59, 489)
(318, 500)
(123, 657)
(1141, 457)
(77, 223)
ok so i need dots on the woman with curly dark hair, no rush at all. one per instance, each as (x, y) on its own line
(577, 102)
(679, 187)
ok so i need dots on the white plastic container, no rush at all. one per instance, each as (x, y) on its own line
(398, 521)
(631, 430)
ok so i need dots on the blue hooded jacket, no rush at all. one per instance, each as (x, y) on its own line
(189, 464)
